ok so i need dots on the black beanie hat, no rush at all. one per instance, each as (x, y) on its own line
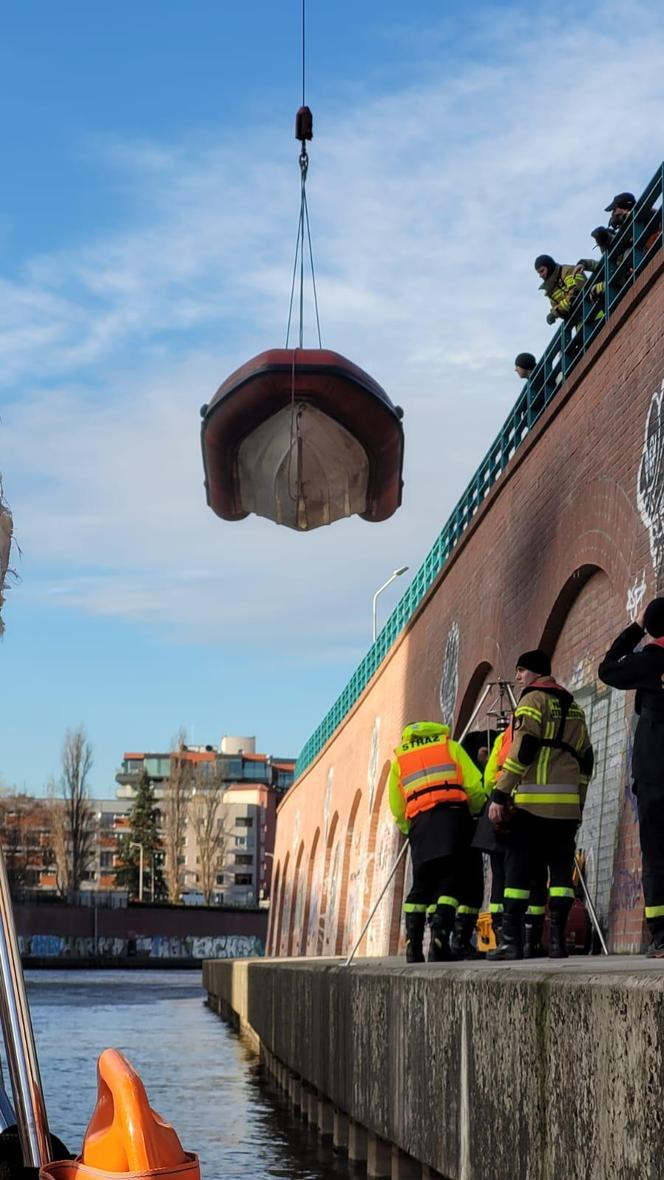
(653, 620)
(525, 360)
(547, 261)
(535, 661)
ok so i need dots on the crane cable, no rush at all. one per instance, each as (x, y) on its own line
(303, 132)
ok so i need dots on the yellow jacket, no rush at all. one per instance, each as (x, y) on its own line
(431, 731)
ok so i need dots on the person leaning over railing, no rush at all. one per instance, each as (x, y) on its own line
(524, 364)
(434, 788)
(561, 284)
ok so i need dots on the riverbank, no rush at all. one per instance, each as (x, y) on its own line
(528, 1071)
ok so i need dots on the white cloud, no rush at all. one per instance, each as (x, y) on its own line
(427, 213)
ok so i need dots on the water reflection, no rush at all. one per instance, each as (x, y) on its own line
(198, 1074)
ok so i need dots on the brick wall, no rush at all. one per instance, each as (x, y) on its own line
(558, 555)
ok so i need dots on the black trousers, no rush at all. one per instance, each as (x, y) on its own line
(538, 886)
(471, 881)
(539, 846)
(435, 883)
(650, 800)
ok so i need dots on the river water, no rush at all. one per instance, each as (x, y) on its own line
(197, 1073)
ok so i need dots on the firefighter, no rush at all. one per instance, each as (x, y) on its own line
(524, 364)
(545, 778)
(561, 285)
(434, 789)
(624, 667)
(477, 745)
(493, 840)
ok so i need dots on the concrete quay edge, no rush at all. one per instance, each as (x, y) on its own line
(525, 1071)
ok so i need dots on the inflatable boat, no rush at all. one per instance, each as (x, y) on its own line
(303, 437)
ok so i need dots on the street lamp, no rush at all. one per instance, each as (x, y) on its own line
(397, 574)
(137, 844)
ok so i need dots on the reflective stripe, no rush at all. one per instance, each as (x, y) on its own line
(411, 907)
(561, 891)
(528, 797)
(495, 907)
(444, 900)
(528, 711)
(655, 911)
(513, 766)
(430, 772)
(519, 894)
(431, 909)
(468, 909)
(536, 911)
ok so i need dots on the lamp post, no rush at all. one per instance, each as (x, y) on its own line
(397, 574)
(137, 844)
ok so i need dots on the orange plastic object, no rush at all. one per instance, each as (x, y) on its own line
(125, 1136)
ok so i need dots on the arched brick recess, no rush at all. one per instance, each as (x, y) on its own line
(323, 915)
(579, 616)
(295, 899)
(276, 950)
(302, 948)
(470, 697)
(275, 910)
(378, 803)
(345, 869)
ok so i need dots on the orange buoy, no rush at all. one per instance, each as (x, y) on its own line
(125, 1136)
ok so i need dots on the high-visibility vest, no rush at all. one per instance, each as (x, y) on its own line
(504, 748)
(430, 775)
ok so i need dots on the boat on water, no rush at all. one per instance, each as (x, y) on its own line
(125, 1137)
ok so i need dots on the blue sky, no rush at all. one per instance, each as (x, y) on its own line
(147, 220)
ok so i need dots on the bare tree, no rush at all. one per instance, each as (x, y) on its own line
(177, 793)
(208, 823)
(71, 812)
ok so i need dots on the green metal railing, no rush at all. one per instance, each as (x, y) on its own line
(630, 252)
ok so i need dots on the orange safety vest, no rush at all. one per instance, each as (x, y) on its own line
(504, 748)
(430, 775)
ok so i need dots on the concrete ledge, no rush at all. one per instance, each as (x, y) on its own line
(506, 1072)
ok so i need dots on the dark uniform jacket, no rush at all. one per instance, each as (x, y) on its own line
(623, 667)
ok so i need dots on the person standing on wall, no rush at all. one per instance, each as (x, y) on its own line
(434, 789)
(544, 778)
(493, 840)
(626, 668)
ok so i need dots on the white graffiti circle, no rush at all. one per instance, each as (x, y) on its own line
(372, 772)
(449, 684)
(635, 595)
(327, 800)
(297, 826)
(650, 481)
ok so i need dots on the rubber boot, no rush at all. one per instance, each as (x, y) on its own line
(533, 930)
(511, 943)
(441, 926)
(414, 937)
(460, 942)
(557, 924)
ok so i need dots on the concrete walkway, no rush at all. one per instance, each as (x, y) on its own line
(543, 1070)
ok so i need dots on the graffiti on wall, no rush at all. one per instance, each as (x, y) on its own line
(449, 684)
(213, 946)
(650, 481)
(314, 903)
(387, 840)
(635, 595)
(333, 895)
